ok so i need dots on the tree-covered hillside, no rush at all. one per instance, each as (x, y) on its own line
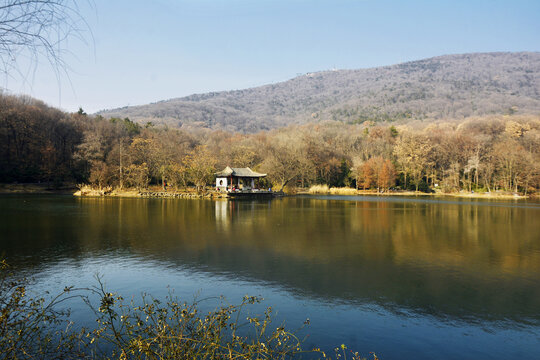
(452, 86)
(482, 154)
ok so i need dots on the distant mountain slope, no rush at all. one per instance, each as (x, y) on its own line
(439, 87)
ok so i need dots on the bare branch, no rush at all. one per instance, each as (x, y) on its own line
(34, 30)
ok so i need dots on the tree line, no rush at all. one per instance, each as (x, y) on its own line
(42, 144)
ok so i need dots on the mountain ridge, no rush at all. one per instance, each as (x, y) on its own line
(447, 86)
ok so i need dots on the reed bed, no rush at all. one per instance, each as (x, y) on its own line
(324, 189)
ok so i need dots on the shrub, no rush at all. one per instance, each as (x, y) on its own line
(35, 328)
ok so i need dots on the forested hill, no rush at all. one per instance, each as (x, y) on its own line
(451, 86)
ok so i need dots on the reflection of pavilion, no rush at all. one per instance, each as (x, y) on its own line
(226, 212)
(222, 213)
(241, 212)
(241, 182)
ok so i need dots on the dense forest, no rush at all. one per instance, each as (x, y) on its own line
(42, 144)
(443, 87)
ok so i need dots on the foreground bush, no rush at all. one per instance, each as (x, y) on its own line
(32, 327)
(38, 329)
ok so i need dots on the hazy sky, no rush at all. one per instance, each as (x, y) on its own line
(145, 51)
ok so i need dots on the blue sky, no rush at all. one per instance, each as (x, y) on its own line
(146, 51)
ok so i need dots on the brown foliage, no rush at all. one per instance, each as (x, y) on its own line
(38, 143)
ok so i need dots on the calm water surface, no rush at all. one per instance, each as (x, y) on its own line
(405, 278)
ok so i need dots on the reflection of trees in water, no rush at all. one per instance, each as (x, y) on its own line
(478, 238)
(448, 259)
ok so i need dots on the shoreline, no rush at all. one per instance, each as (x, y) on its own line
(146, 193)
(486, 196)
(157, 192)
(131, 193)
(37, 188)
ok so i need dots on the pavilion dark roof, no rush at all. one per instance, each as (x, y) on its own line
(239, 172)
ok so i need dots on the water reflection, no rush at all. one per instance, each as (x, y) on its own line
(457, 260)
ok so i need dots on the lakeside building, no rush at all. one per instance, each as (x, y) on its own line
(238, 180)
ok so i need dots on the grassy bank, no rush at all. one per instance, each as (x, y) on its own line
(36, 188)
(151, 192)
(325, 190)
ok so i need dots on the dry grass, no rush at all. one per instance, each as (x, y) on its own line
(343, 191)
(324, 189)
(319, 189)
(34, 188)
(89, 190)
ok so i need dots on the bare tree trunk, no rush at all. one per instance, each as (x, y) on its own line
(283, 183)
(121, 180)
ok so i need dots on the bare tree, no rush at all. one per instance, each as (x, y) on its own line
(413, 155)
(200, 164)
(31, 30)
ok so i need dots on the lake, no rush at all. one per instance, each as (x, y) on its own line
(422, 278)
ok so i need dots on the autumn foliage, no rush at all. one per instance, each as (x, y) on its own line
(491, 153)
